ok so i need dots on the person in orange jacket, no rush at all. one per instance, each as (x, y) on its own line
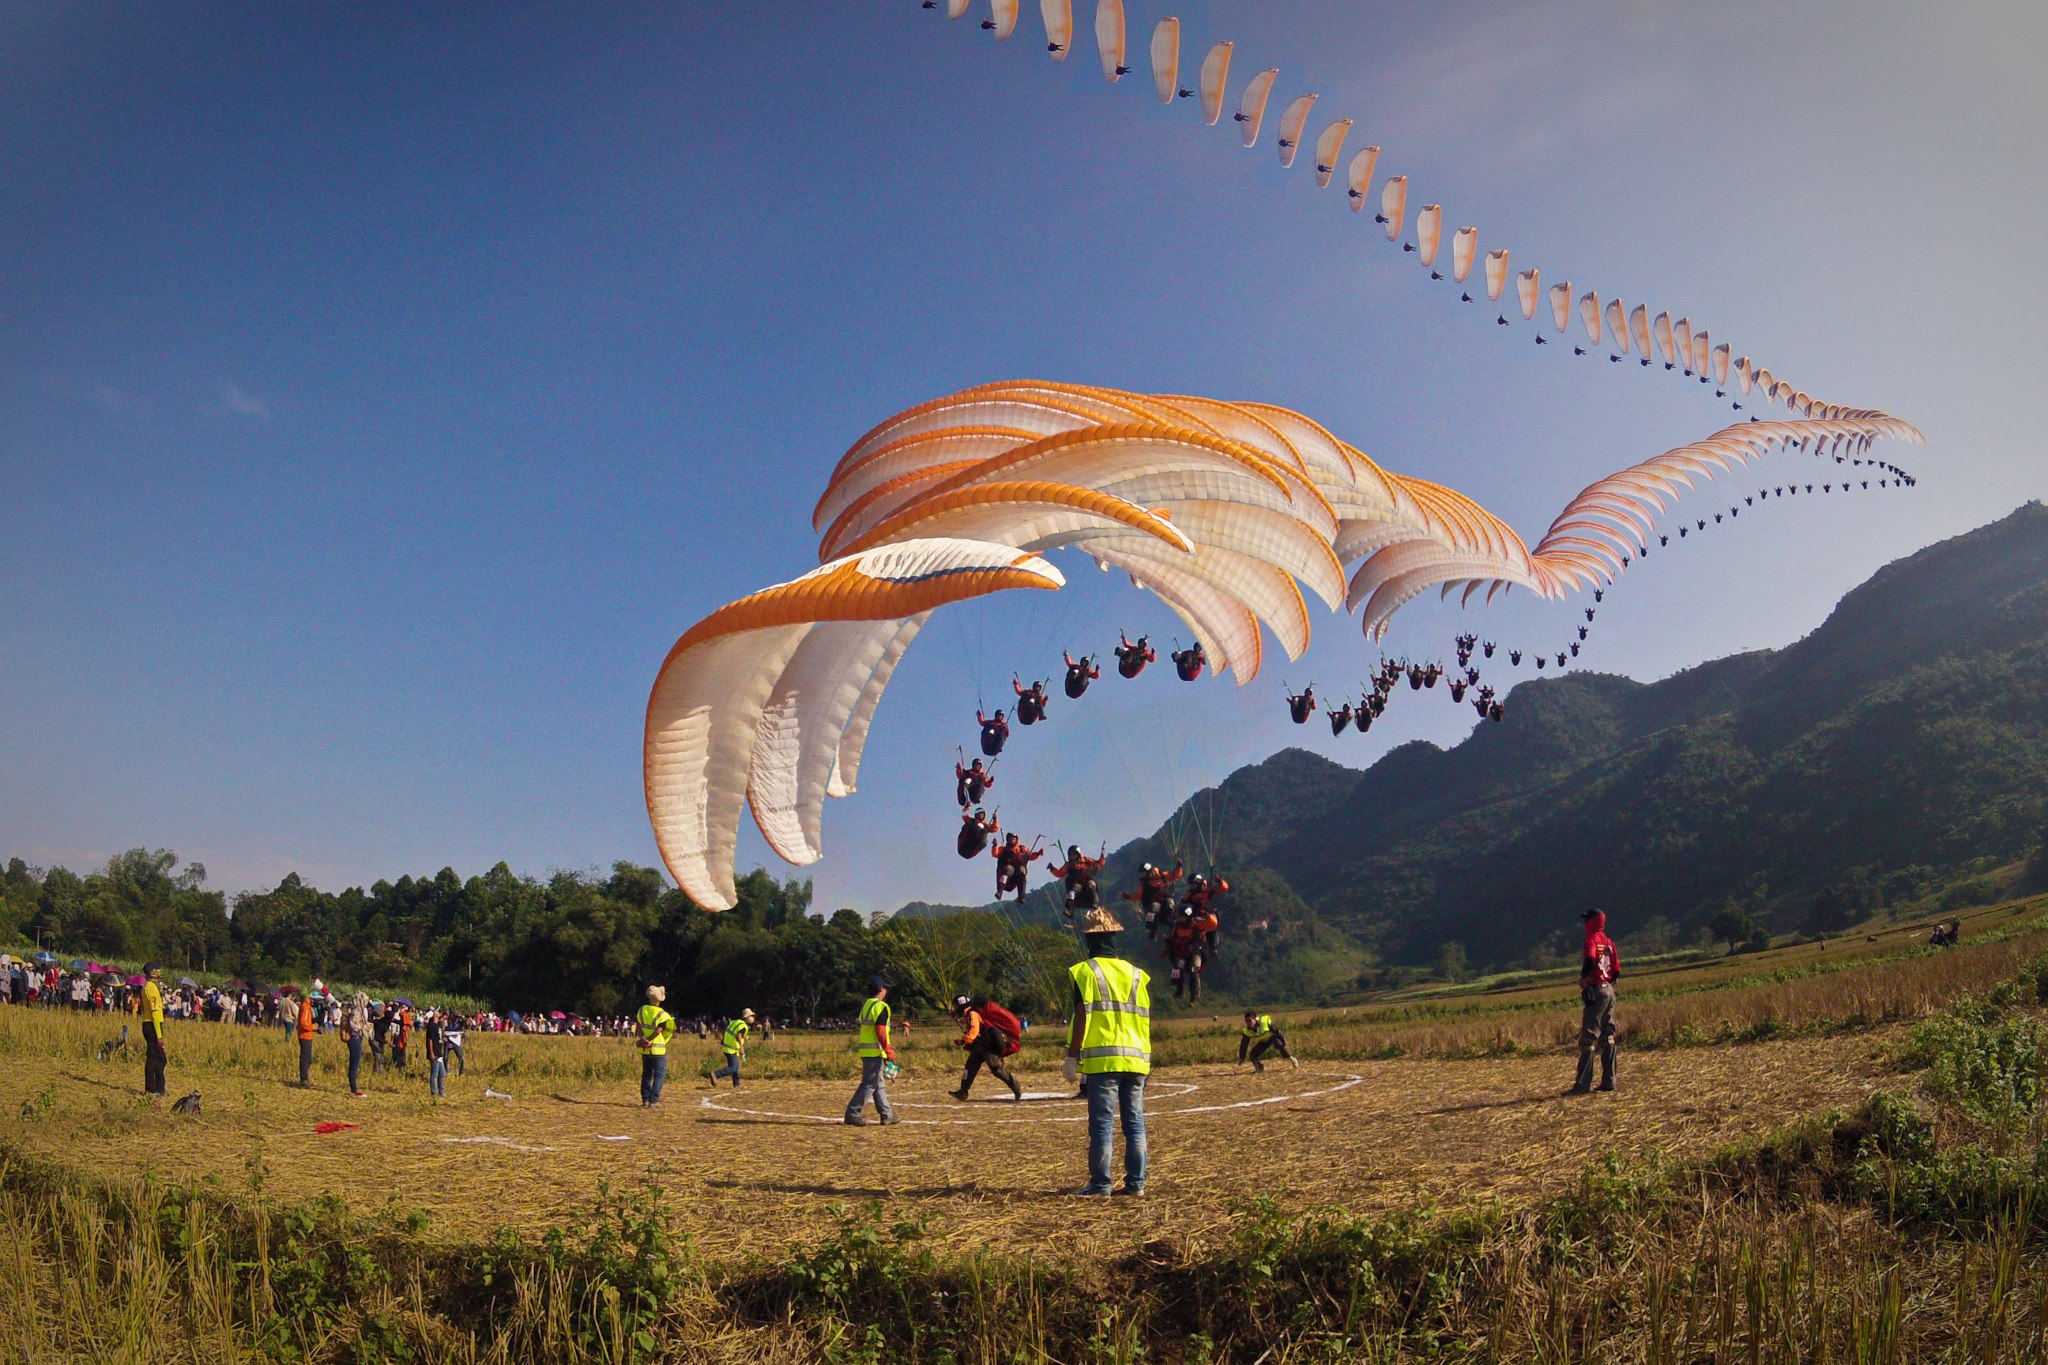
(1155, 894)
(1202, 891)
(308, 1031)
(1186, 950)
(1078, 872)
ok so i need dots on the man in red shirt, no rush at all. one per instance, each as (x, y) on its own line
(1599, 968)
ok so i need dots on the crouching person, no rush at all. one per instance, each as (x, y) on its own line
(1259, 1038)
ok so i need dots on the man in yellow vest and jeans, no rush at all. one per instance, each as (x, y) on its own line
(655, 1026)
(1110, 1046)
(875, 1051)
(735, 1044)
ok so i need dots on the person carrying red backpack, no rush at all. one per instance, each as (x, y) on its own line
(989, 1033)
(1599, 969)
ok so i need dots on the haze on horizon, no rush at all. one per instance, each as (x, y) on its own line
(387, 390)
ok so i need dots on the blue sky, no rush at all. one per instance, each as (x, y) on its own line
(385, 388)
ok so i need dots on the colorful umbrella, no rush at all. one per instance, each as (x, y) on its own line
(77, 964)
(46, 956)
(135, 980)
(401, 1000)
(556, 1014)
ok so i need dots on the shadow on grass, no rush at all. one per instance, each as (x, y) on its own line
(1476, 1106)
(830, 1191)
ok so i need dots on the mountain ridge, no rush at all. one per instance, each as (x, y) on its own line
(1903, 740)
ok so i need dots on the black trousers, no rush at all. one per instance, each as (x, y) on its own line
(153, 1061)
(980, 1055)
(305, 1061)
(1276, 1041)
(1156, 914)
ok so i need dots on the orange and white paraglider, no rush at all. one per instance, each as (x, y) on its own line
(1231, 513)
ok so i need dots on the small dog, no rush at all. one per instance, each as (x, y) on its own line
(114, 1045)
(188, 1105)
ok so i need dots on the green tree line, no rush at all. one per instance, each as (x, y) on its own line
(586, 942)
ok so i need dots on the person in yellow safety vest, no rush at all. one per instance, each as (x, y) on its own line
(1110, 1046)
(655, 1027)
(154, 1054)
(875, 1052)
(1259, 1038)
(735, 1045)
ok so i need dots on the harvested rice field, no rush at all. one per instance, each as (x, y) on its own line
(757, 1169)
(1419, 1185)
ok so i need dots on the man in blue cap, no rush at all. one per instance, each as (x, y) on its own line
(875, 1053)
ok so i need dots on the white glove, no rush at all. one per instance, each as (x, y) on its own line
(1070, 1069)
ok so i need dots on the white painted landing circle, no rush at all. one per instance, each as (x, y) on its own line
(1037, 1106)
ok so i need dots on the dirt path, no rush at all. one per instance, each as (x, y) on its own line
(757, 1169)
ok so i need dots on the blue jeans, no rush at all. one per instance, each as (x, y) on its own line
(731, 1068)
(355, 1065)
(437, 1077)
(1111, 1093)
(653, 1072)
(872, 1087)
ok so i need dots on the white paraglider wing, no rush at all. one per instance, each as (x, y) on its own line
(1109, 38)
(709, 712)
(1251, 110)
(1166, 58)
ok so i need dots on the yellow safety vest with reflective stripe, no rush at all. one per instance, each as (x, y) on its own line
(1118, 1034)
(735, 1036)
(1261, 1026)
(656, 1027)
(874, 1016)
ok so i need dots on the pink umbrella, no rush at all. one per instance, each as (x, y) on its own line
(135, 980)
(556, 1014)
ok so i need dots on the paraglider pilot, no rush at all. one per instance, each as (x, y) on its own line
(1132, 658)
(995, 732)
(971, 782)
(1013, 859)
(1080, 672)
(1302, 705)
(1188, 663)
(1030, 701)
(1155, 894)
(1078, 872)
(975, 829)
